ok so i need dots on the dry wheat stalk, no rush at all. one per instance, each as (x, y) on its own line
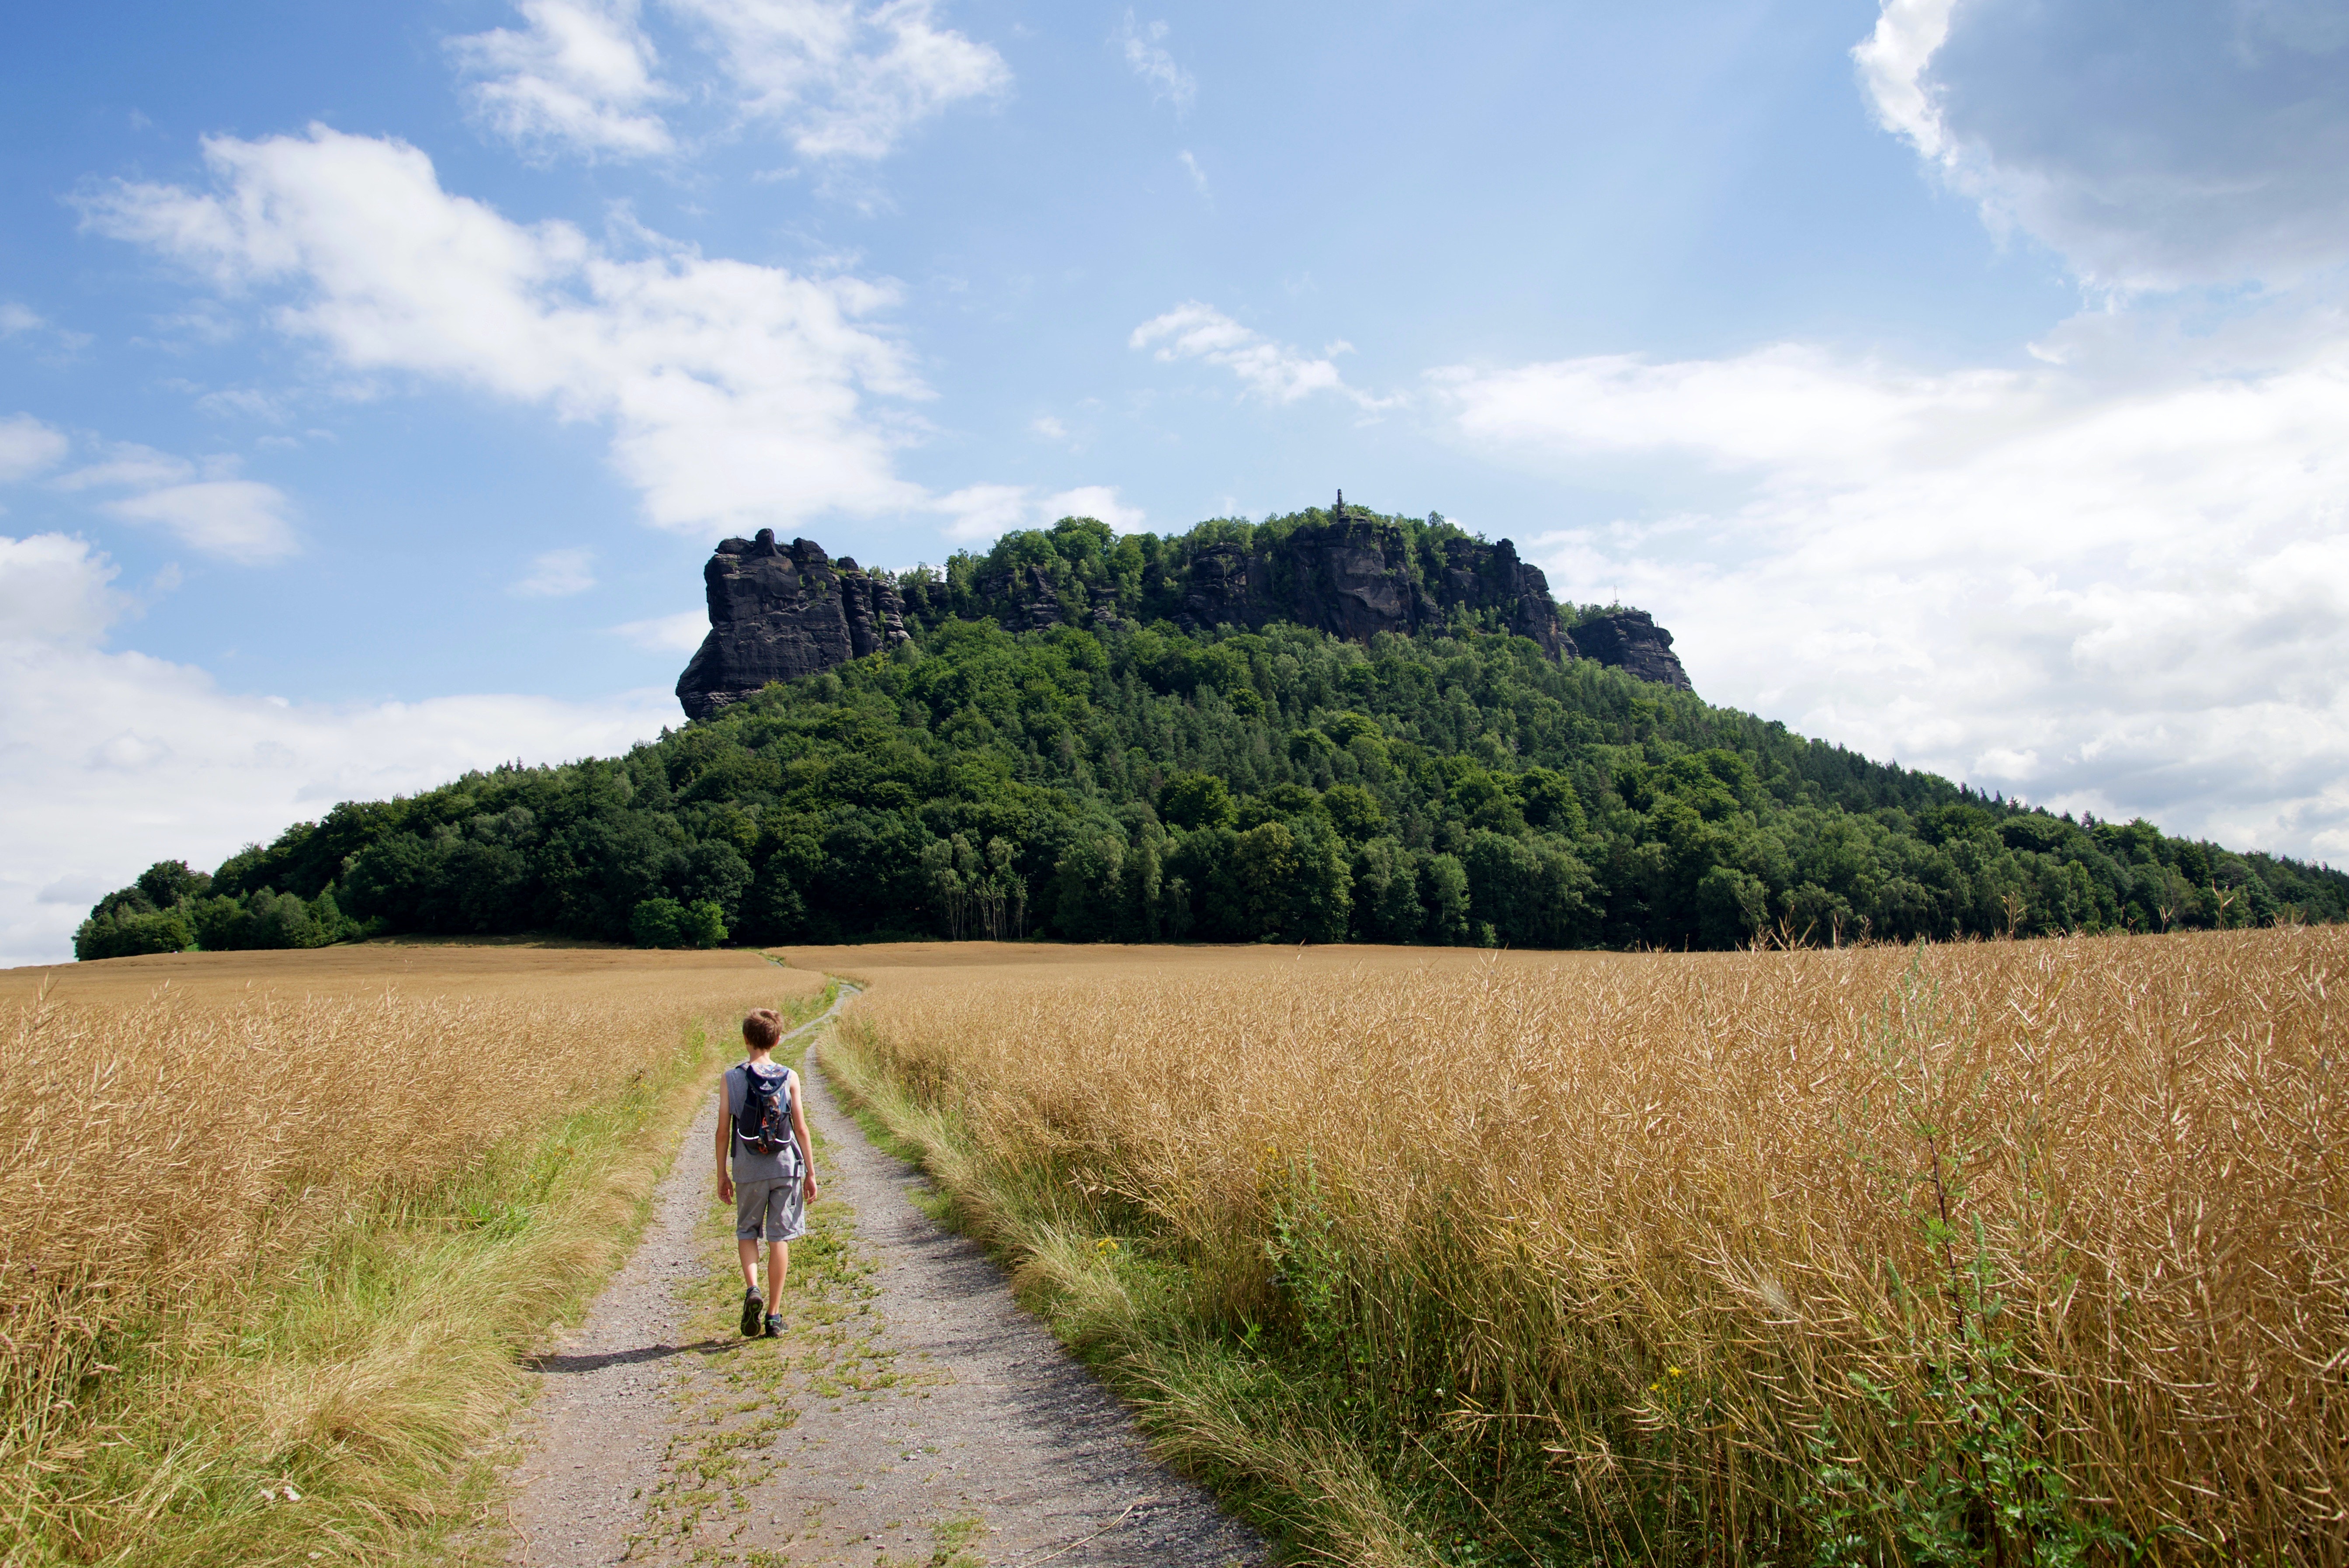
(1773, 1171)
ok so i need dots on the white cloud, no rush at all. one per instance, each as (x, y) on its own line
(1050, 427)
(844, 80)
(56, 591)
(173, 768)
(27, 448)
(239, 520)
(1276, 372)
(679, 633)
(17, 319)
(1893, 61)
(243, 403)
(129, 465)
(1191, 167)
(557, 572)
(208, 506)
(2093, 584)
(986, 511)
(2155, 147)
(1099, 502)
(1146, 57)
(1790, 409)
(580, 75)
(735, 392)
(2117, 581)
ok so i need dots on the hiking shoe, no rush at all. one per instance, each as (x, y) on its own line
(753, 1303)
(774, 1326)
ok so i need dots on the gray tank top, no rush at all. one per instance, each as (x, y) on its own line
(746, 1163)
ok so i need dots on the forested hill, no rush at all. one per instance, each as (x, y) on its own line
(1143, 783)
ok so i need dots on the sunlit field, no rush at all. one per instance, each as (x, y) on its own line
(2003, 1253)
(281, 1220)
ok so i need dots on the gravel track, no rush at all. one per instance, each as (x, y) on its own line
(911, 1414)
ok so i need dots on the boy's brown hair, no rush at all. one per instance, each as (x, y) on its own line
(762, 1028)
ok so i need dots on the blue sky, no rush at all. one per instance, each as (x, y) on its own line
(1964, 381)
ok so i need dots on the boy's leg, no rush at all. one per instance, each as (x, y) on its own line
(749, 1225)
(778, 1265)
(749, 1228)
(753, 1305)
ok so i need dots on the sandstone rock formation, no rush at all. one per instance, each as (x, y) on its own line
(776, 613)
(1352, 578)
(1491, 576)
(1633, 642)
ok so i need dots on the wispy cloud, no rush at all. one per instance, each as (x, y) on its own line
(1191, 167)
(239, 520)
(28, 446)
(580, 76)
(22, 321)
(558, 573)
(1147, 56)
(209, 506)
(679, 633)
(1276, 372)
(841, 80)
(244, 403)
(844, 80)
(984, 512)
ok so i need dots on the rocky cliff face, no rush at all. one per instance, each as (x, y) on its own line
(1349, 577)
(778, 613)
(1633, 642)
(1490, 577)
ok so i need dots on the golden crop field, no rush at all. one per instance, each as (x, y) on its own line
(277, 1214)
(2014, 1251)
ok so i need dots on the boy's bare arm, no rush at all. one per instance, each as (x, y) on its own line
(800, 1131)
(725, 1181)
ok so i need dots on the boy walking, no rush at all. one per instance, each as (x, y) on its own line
(765, 1165)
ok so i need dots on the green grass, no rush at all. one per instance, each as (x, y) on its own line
(339, 1410)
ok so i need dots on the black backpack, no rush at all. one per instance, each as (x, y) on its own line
(764, 1122)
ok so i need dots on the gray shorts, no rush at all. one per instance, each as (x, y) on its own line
(775, 1210)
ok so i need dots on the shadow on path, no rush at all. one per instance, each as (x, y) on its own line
(623, 1358)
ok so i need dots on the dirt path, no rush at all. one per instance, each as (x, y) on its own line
(911, 1414)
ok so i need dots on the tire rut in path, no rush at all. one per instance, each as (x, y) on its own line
(913, 1413)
